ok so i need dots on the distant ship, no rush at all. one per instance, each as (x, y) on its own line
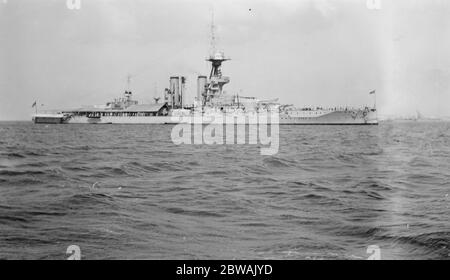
(211, 103)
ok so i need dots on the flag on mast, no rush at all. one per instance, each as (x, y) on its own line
(34, 104)
(372, 92)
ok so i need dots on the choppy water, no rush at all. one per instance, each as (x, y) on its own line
(127, 192)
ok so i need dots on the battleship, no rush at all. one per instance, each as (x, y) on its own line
(211, 103)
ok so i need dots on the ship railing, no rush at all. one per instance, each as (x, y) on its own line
(327, 109)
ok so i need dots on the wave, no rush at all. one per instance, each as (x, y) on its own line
(217, 173)
(255, 225)
(314, 196)
(20, 173)
(278, 162)
(197, 213)
(15, 155)
(13, 219)
(91, 198)
(365, 193)
(33, 164)
(433, 243)
(134, 165)
(293, 185)
(428, 243)
(107, 171)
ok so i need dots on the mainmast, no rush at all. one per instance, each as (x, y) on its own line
(128, 92)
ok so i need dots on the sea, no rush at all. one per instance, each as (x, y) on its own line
(128, 192)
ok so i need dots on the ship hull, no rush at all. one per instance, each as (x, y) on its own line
(123, 120)
(332, 118)
(49, 119)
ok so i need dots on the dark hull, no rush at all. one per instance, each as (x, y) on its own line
(48, 120)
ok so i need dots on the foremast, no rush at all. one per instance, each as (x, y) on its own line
(214, 87)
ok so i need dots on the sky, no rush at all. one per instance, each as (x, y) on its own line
(304, 52)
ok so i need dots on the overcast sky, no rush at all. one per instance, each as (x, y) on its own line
(318, 52)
